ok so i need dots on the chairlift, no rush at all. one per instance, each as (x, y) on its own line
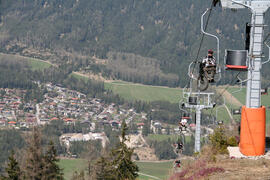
(220, 122)
(177, 164)
(236, 111)
(205, 74)
(184, 122)
(192, 100)
(236, 60)
(264, 91)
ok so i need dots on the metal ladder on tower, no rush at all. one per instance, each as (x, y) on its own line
(254, 96)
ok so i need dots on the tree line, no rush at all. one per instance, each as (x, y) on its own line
(39, 162)
(166, 31)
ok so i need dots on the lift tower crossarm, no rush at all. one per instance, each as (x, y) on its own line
(206, 103)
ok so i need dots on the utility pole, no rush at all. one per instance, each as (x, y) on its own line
(252, 136)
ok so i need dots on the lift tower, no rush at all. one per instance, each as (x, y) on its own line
(252, 136)
(198, 101)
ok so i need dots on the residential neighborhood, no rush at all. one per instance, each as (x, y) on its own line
(74, 108)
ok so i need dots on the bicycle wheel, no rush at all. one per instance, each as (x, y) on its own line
(202, 83)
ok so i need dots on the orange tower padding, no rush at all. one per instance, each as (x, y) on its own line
(252, 135)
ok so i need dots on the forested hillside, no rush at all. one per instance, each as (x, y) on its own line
(167, 31)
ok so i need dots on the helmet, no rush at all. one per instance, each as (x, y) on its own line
(210, 51)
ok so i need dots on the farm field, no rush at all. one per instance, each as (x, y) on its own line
(158, 169)
(36, 64)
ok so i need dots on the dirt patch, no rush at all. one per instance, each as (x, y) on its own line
(228, 96)
(242, 169)
(146, 154)
(91, 76)
(141, 148)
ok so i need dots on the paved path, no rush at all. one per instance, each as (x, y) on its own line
(149, 176)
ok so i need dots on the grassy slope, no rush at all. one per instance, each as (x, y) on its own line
(157, 169)
(241, 96)
(36, 64)
(132, 91)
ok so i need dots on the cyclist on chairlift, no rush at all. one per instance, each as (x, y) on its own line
(209, 60)
(208, 65)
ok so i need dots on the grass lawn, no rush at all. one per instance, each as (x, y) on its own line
(161, 170)
(36, 64)
(69, 166)
(147, 93)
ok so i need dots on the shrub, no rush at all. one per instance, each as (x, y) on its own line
(220, 141)
(197, 170)
(232, 141)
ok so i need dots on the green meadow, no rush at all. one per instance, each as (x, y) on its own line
(35, 64)
(131, 91)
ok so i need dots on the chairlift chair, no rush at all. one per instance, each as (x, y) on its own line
(236, 60)
(206, 75)
(264, 91)
(220, 122)
(236, 111)
(192, 100)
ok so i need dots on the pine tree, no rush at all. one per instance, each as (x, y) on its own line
(118, 165)
(12, 170)
(51, 170)
(34, 160)
(104, 169)
(124, 167)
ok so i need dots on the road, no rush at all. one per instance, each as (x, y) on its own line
(148, 175)
(37, 114)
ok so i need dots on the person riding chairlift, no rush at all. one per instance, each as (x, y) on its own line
(177, 164)
(208, 63)
(183, 124)
(178, 147)
(209, 60)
